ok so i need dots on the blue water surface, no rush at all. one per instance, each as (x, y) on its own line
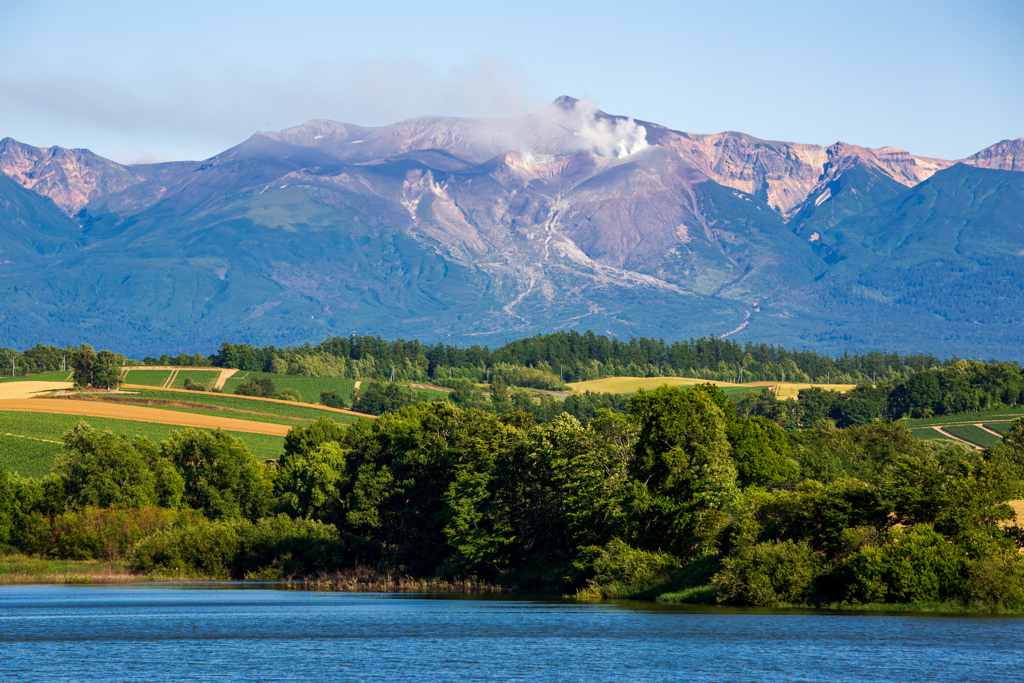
(147, 633)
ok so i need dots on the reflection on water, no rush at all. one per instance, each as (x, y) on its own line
(61, 633)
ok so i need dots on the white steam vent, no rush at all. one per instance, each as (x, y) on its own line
(604, 136)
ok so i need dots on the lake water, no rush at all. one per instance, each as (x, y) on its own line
(164, 633)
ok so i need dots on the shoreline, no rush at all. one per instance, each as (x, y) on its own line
(21, 570)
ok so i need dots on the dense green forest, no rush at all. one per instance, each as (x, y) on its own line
(680, 497)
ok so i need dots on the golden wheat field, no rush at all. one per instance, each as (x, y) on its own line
(139, 414)
(629, 385)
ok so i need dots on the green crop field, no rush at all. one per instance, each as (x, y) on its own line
(996, 416)
(58, 376)
(963, 425)
(149, 378)
(27, 457)
(286, 413)
(927, 434)
(204, 377)
(34, 456)
(309, 388)
(975, 435)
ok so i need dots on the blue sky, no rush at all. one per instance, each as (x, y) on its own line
(184, 80)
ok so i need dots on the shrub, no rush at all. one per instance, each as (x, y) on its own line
(107, 533)
(203, 549)
(194, 386)
(912, 565)
(272, 548)
(995, 582)
(332, 399)
(291, 395)
(261, 387)
(618, 570)
(768, 574)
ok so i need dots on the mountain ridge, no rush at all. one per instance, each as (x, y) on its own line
(444, 227)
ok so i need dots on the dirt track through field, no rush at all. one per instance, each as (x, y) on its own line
(222, 377)
(990, 431)
(942, 431)
(138, 414)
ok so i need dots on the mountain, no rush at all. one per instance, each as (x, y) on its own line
(479, 230)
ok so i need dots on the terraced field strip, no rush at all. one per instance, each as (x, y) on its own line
(139, 414)
(929, 433)
(998, 427)
(55, 376)
(179, 405)
(297, 404)
(150, 377)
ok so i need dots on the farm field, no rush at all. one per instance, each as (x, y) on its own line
(30, 389)
(975, 435)
(927, 434)
(997, 416)
(965, 425)
(30, 442)
(309, 388)
(284, 412)
(149, 378)
(205, 377)
(786, 390)
(57, 376)
(136, 413)
(629, 385)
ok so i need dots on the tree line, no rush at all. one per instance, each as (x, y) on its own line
(573, 356)
(541, 361)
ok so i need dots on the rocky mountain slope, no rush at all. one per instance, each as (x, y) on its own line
(484, 229)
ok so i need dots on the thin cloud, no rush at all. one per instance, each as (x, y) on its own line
(171, 109)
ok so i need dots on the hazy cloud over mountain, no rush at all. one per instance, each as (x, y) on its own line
(215, 108)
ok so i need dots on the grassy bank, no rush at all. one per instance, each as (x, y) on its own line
(21, 570)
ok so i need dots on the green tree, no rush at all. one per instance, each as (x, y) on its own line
(303, 441)
(106, 371)
(761, 451)
(683, 474)
(313, 485)
(83, 361)
(222, 478)
(499, 395)
(102, 469)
